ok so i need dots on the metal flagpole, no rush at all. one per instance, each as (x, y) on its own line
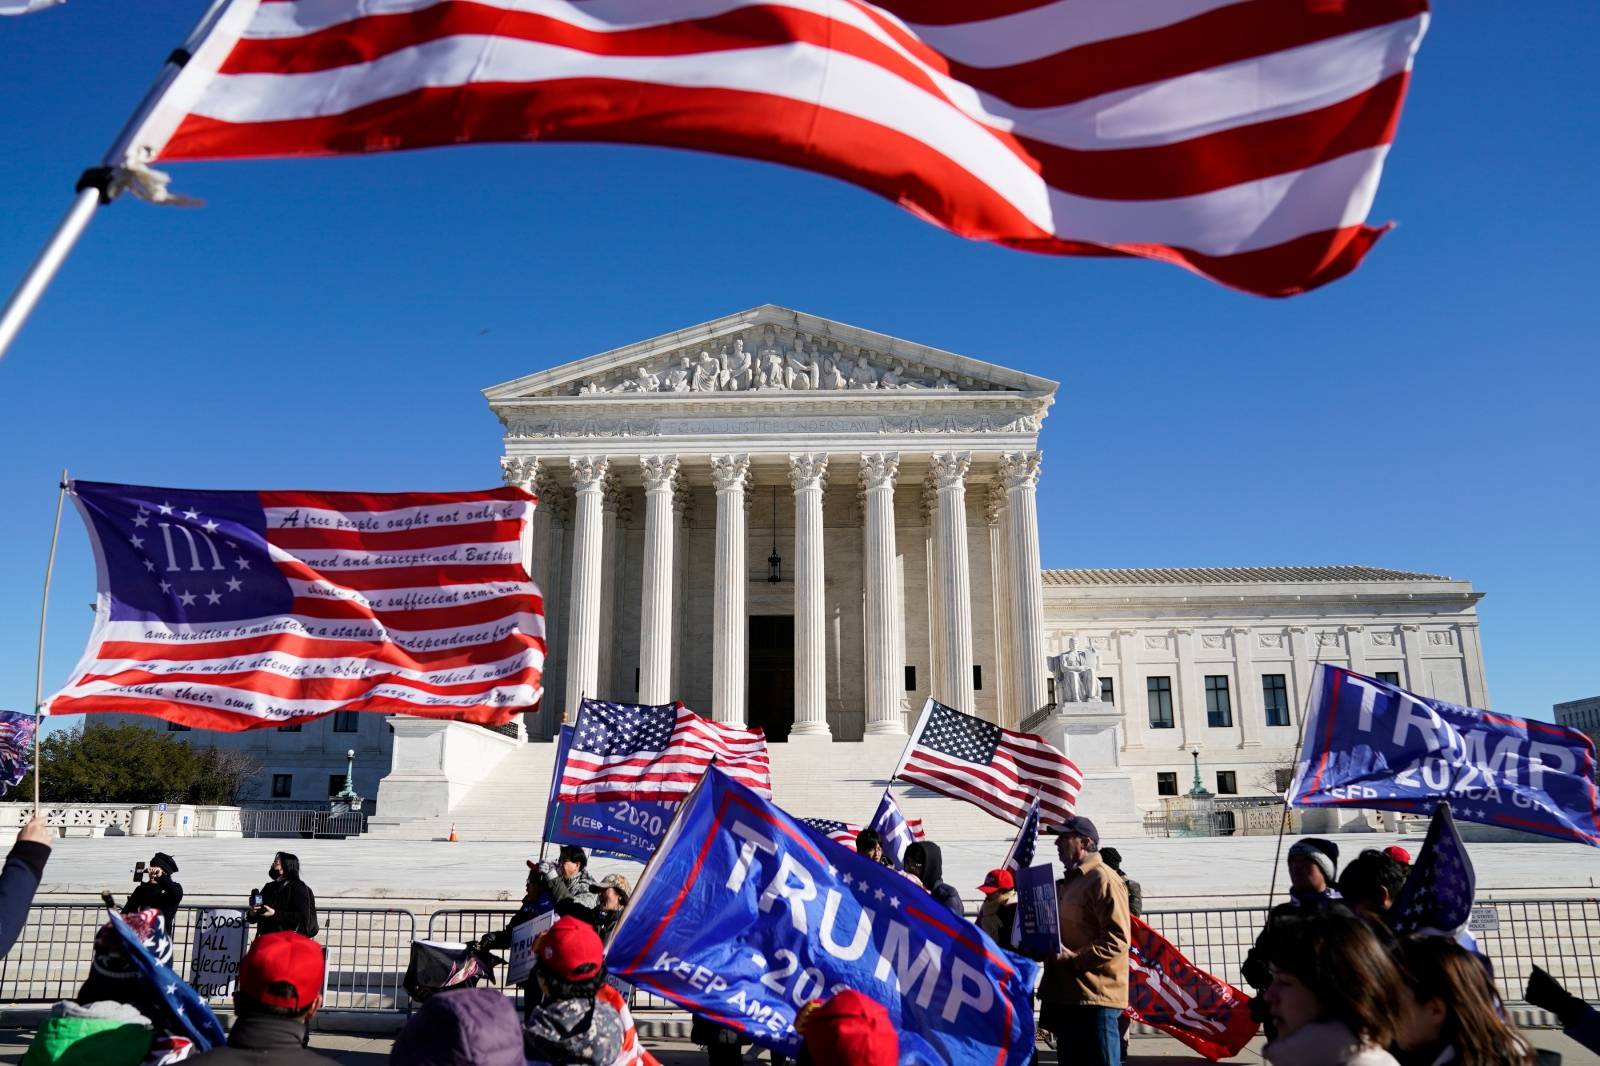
(44, 613)
(911, 741)
(96, 186)
(1283, 823)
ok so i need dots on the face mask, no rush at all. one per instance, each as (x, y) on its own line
(274, 873)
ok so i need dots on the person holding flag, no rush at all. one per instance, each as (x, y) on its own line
(1085, 987)
(20, 877)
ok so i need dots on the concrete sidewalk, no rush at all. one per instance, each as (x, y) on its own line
(360, 1050)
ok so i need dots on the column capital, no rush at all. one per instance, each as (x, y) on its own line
(730, 473)
(683, 503)
(1020, 470)
(1410, 627)
(1298, 629)
(879, 469)
(660, 472)
(519, 470)
(1353, 628)
(994, 503)
(808, 470)
(1127, 632)
(1239, 629)
(588, 472)
(950, 469)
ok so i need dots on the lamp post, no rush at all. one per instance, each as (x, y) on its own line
(774, 561)
(347, 801)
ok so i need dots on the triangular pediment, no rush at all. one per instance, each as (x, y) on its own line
(770, 349)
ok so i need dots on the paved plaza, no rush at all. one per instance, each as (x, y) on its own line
(1174, 872)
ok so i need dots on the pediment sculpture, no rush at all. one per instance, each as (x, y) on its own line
(773, 364)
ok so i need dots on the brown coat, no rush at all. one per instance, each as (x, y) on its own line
(1093, 903)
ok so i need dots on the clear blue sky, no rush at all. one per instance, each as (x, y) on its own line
(328, 323)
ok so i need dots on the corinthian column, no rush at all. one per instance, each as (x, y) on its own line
(1005, 648)
(583, 636)
(613, 500)
(655, 612)
(1020, 471)
(808, 475)
(885, 651)
(730, 474)
(954, 684)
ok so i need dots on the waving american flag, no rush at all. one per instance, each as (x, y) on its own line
(242, 610)
(1001, 770)
(845, 832)
(1241, 139)
(632, 751)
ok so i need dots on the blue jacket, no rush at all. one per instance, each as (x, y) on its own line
(19, 880)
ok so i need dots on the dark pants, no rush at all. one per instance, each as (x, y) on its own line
(1085, 1036)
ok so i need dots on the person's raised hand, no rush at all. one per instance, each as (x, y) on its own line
(37, 831)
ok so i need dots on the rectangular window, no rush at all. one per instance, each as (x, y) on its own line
(289, 728)
(1158, 693)
(1283, 778)
(636, 681)
(1050, 691)
(1227, 783)
(1108, 691)
(1219, 709)
(335, 784)
(174, 727)
(1275, 696)
(1388, 677)
(346, 722)
(1166, 784)
(282, 785)
(977, 678)
(911, 679)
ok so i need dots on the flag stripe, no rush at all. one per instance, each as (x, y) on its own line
(1240, 140)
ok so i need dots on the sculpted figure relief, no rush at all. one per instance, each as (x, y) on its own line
(774, 363)
(1075, 670)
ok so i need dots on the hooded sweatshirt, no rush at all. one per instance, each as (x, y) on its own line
(96, 1034)
(573, 1032)
(461, 1027)
(933, 875)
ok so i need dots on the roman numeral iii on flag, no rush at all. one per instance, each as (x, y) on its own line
(1240, 139)
(241, 610)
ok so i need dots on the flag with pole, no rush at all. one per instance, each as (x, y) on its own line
(242, 610)
(1438, 893)
(1020, 857)
(1240, 140)
(1000, 770)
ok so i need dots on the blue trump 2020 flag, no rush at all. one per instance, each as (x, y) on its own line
(893, 829)
(1374, 745)
(745, 915)
(188, 1013)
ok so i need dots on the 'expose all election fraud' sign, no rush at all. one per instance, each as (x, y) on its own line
(219, 937)
(745, 915)
(1374, 745)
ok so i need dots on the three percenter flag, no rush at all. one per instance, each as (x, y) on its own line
(241, 610)
(1242, 139)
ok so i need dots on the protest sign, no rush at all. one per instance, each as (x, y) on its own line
(623, 829)
(520, 962)
(1038, 918)
(745, 915)
(1373, 745)
(219, 942)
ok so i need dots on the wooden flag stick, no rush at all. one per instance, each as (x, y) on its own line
(44, 614)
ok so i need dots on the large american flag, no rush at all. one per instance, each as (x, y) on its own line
(846, 832)
(632, 751)
(1001, 770)
(1242, 139)
(240, 610)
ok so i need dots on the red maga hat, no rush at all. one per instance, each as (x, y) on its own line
(570, 950)
(998, 881)
(850, 1030)
(282, 970)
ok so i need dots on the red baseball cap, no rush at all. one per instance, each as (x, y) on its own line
(850, 1030)
(570, 950)
(282, 970)
(998, 881)
(1398, 854)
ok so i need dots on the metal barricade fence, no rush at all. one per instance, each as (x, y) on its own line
(369, 948)
(367, 952)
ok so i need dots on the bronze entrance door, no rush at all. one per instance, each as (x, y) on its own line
(771, 692)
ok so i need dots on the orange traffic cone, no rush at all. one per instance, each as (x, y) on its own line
(452, 832)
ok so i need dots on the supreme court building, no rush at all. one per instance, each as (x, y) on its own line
(793, 523)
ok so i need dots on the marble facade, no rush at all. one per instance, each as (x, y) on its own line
(669, 471)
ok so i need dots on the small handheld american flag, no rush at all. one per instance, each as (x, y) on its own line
(1001, 770)
(631, 751)
(846, 832)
